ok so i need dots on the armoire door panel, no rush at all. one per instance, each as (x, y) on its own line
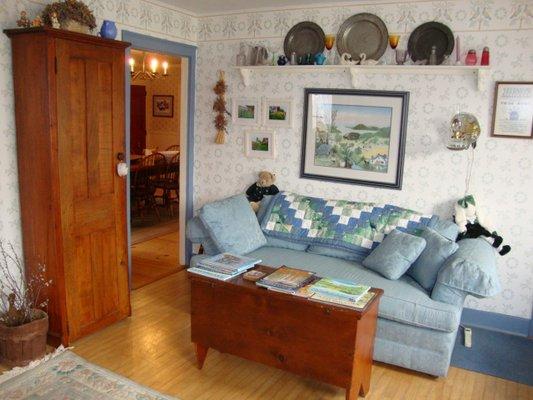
(69, 92)
(90, 134)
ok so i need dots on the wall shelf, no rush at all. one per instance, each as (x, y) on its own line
(479, 73)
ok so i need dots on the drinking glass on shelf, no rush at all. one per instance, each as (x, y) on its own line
(401, 56)
(393, 42)
(329, 41)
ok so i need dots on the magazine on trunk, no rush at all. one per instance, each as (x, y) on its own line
(210, 274)
(286, 279)
(228, 263)
(339, 288)
(361, 303)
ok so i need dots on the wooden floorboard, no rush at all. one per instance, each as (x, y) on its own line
(154, 259)
(139, 235)
(153, 348)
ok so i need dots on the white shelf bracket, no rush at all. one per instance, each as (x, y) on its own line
(245, 76)
(354, 77)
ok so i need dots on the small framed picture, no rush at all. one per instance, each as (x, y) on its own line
(513, 110)
(260, 144)
(278, 112)
(245, 111)
(163, 105)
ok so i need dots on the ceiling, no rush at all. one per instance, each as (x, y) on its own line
(137, 55)
(226, 6)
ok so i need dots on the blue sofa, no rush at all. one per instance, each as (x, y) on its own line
(416, 327)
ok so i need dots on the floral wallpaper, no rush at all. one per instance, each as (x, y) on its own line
(433, 176)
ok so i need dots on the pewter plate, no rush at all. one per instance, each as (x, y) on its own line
(427, 35)
(363, 33)
(304, 38)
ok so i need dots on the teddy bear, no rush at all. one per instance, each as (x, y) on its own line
(263, 187)
(473, 223)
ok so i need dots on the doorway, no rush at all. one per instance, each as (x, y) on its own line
(160, 101)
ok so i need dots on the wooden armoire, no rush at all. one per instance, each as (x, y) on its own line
(70, 125)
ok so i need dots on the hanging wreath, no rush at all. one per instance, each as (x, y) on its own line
(219, 106)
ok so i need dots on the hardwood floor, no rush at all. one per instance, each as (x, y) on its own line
(154, 259)
(143, 234)
(153, 348)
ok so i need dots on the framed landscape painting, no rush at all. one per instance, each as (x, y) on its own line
(260, 144)
(277, 112)
(355, 136)
(246, 111)
(163, 105)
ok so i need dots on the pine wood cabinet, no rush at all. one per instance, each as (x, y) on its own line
(69, 105)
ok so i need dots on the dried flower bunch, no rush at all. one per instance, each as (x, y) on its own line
(19, 297)
(69, 10)
(219, 106)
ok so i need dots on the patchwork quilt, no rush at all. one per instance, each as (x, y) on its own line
(340, 224)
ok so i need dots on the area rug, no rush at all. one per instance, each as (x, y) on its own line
(66, 376)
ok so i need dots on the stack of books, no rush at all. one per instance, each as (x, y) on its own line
(340, 292)
(286, 280)
(224, 266)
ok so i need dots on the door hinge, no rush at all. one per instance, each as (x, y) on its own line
(55, 65)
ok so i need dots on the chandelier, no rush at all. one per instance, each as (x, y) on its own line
(148, 74)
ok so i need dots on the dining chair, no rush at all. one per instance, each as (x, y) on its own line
(171, 185)
(143, 191)
(174, 147)
(153, 159)
(157, 163)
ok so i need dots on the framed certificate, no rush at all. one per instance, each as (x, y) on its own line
(513, 110)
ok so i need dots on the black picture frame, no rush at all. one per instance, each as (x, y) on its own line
(168, 100)
(404, 110)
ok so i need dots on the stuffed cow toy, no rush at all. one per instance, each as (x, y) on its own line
(473, 223)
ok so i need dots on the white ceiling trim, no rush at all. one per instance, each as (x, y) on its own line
(172, 7)
(284, 8)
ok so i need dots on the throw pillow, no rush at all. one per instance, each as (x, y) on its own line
(471, 269)
(427, 266)
(395, 254)
(232, 225)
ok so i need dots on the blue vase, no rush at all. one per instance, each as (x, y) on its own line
(320, 58)
(108, 29)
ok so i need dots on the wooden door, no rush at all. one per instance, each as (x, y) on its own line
(90, 110)
(138, 119)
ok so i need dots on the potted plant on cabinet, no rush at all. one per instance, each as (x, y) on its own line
(72, 15)
(23, 325)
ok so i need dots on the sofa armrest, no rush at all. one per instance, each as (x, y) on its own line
(195, 231)
(197, 234)
(470, 270)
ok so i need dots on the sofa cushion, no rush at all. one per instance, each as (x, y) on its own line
(285, 244)
(263, 207)
(337, 253)
(232, 225)
(403, 301)
(395, 254)
(471, 269)
(426, 268)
